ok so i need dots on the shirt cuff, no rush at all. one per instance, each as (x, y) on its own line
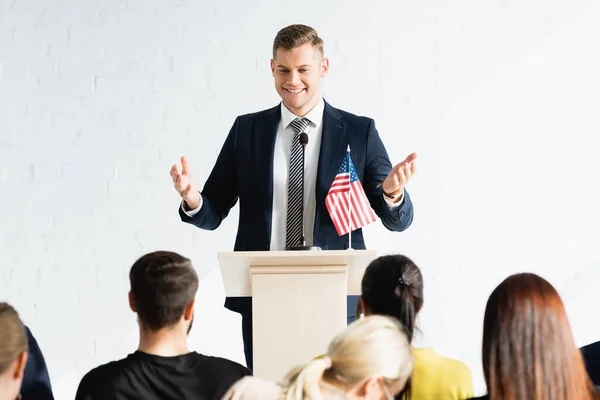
(191, 213)
(391, 203)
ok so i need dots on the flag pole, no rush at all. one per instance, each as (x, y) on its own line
(349, 200)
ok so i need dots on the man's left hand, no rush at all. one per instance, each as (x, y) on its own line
(400, 175)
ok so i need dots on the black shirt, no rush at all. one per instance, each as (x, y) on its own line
(148, 377)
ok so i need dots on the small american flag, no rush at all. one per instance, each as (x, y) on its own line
(346, 200)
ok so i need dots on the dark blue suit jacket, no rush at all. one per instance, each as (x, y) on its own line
(36, 382)
(244, 171)
(591, 356)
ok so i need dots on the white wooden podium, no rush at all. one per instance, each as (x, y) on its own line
(298, 301)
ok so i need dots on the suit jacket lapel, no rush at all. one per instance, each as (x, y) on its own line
(332, 152)
(265, 132)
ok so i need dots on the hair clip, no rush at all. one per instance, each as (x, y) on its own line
(401, 282)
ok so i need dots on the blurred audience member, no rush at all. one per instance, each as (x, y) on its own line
(163, 288)
(371, 359)
(393, 285)
(528, 350)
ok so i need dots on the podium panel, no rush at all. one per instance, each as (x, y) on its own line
(295, 315)
(298, 301)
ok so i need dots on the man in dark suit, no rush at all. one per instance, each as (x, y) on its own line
(256, 165)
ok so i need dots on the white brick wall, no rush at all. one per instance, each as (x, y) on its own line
(99, 98)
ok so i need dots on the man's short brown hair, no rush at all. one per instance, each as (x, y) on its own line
(163, 283)
(297, 35)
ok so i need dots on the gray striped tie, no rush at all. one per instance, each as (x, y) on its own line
(295, 187)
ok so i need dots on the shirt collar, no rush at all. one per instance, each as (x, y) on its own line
(315, 116)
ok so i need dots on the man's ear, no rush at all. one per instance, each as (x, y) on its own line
(131, 302)
(273, 67)
(188, 313)
(20, 367)
(324, 67)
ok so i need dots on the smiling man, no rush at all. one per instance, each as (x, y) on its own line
(256, 165)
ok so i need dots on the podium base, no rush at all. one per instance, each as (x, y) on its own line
(309, 248)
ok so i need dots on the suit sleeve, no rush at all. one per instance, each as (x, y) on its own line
(377, 168)
(221, 190)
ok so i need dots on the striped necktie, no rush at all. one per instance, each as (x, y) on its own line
(295, 187)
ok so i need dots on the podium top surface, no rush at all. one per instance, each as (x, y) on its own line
(299, 257)
(236, 265)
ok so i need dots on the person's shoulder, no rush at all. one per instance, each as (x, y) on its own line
(457, 373)
(591, 349)
(449, 374)
(101, 373)
(93, 380)
(428, 356)
(104, 374)
(347, 116)
(458, 376)
(258, 114)
(458, 367)
(222, 365)
(30, 336)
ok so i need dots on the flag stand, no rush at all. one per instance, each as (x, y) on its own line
(349, 204)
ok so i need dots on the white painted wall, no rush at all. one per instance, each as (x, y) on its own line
(99, 98)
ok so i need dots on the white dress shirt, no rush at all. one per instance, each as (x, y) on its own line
(281, 162)
(281, 166)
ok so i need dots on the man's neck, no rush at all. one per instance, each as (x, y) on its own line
(164, 343)
(6, 386)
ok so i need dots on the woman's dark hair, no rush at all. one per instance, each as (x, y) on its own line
(528, 350)
(393, 286)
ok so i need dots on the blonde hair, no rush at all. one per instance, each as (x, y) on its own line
(13, 339)
(375, 346)
(297, 35)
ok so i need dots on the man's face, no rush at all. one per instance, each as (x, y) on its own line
(298, 74)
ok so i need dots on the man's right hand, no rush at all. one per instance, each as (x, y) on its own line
(185, 185)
